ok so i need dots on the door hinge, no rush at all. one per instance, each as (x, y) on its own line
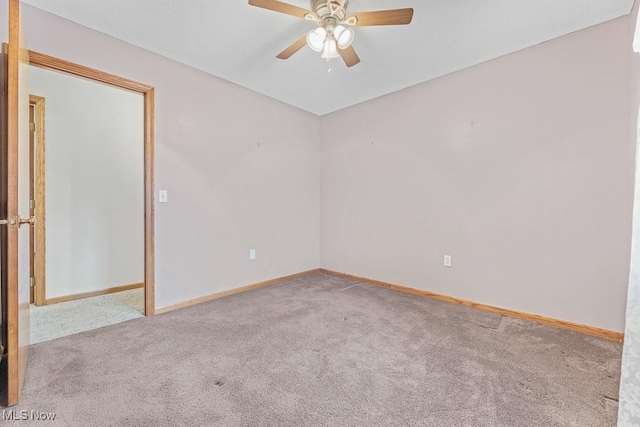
(32, 204)
(32, 281)
(32, 126)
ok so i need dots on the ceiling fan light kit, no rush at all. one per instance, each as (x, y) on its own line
(330, 50)
(316, 38)
(344, 36)
(333, 37)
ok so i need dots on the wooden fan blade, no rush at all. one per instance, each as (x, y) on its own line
(296, 46)
(278, 6)
(383, 17)
(350, 56)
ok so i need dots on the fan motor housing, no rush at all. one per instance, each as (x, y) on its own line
(321, 8)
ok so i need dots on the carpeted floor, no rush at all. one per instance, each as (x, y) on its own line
(323, 350)
(59, 320)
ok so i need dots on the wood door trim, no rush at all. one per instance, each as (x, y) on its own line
(149, 209)
(41, 60)
(40, 205)
(32, 196)
(51, 63)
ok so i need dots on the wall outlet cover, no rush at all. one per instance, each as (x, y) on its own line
(447, 260)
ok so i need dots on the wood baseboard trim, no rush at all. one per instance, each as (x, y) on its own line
(115, 289)
(576, 327)
(233, 291)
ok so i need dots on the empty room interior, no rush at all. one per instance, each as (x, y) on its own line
(320, 212)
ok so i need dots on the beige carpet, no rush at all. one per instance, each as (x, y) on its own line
(58, 320)
(323, 350)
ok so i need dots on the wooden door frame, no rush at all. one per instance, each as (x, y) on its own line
(38, 176)
(32, 191)
(47, 62)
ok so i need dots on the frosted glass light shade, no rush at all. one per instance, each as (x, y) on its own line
(316, 39)
(330, 49)
(344, 36)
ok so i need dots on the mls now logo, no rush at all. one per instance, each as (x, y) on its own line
(25, 415)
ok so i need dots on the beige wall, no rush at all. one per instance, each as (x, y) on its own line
(519, 168)
(227, 195)
(629, 396)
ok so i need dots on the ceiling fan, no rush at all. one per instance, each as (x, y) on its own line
(333, 37)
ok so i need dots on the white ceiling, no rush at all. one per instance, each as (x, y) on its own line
(239, 43)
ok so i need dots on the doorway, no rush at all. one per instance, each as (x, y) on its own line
(99, 235)
(55, 64)
(118, 298)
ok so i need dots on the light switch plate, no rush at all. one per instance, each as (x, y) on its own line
(163, 196)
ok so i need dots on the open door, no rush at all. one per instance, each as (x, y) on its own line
(15, 195)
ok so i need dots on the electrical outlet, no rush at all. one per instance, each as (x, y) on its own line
(447, 260)
(252, 254)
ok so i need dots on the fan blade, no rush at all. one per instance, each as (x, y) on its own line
(350, 56)
(278, 6)
(296, 46)
(383, 17)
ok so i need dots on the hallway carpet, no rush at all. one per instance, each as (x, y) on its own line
(59, 320)
(325, 350)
